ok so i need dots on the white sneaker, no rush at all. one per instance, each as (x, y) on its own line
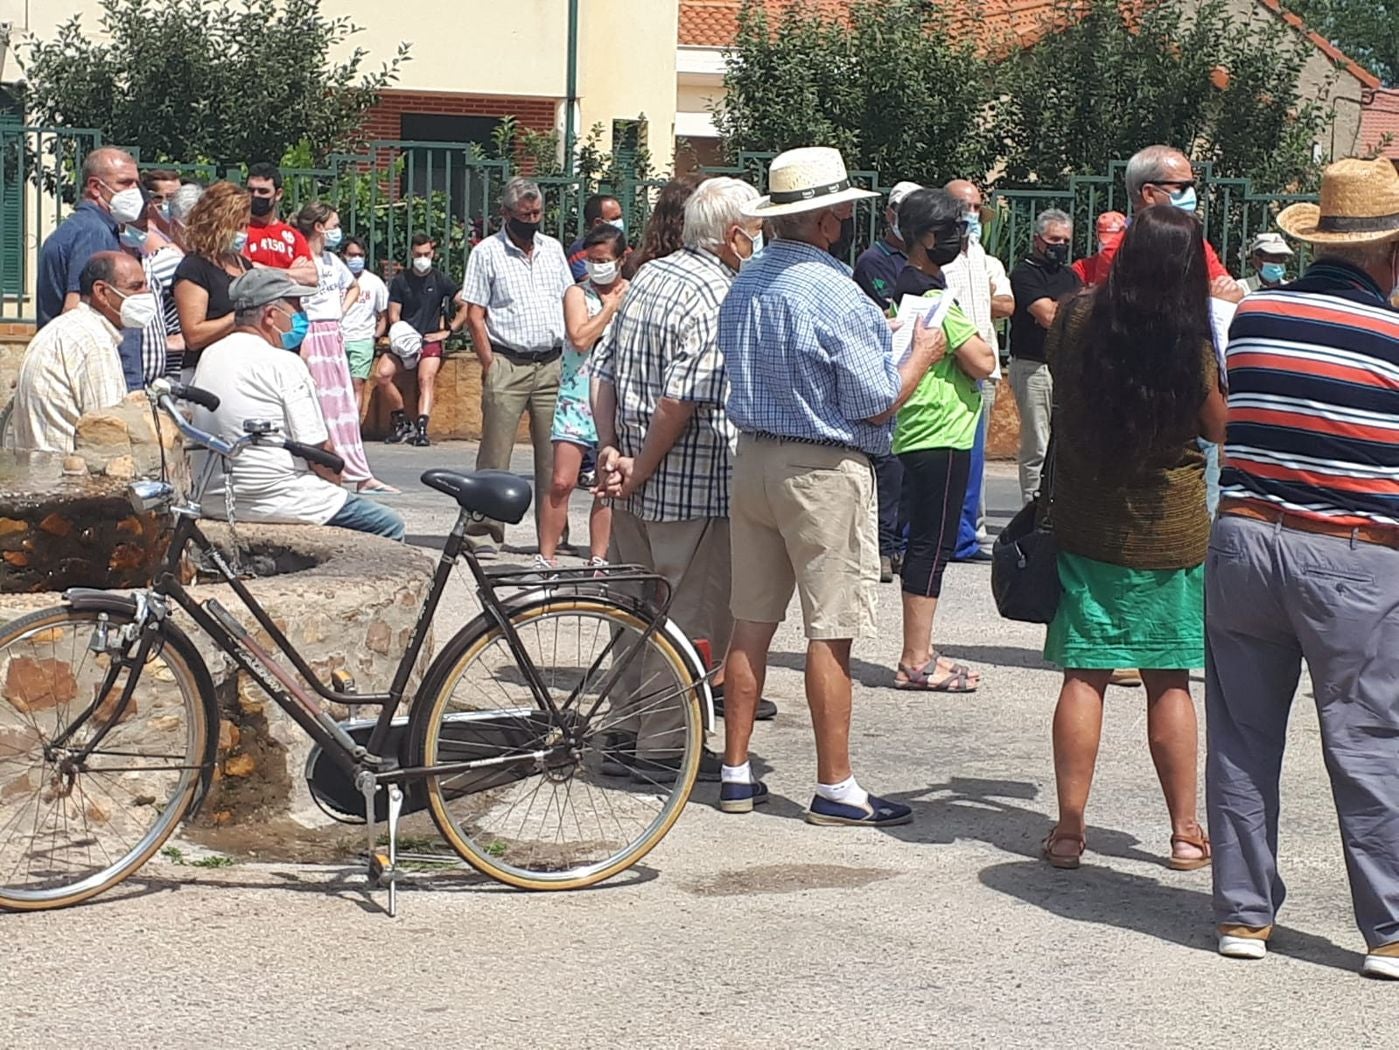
(1243, 947)
(1381, 966)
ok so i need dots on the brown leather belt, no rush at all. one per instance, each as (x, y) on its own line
(1380, 535)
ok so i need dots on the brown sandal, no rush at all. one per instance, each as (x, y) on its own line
(1200, 841)
(1059, 860)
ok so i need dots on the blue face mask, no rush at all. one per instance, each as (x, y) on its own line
(619, 224)
(133, 237)
(240, 241)
(1185, 199)
(757, 243)
(164, 211)
(291, 340)
(973, 227)
(1273, 273)
(355, 263)
(334, 237)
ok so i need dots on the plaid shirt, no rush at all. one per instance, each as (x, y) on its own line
(522, 294)
(70, 367)
(661, 343)
(808, 355)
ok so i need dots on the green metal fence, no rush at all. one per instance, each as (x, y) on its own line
(395, 188)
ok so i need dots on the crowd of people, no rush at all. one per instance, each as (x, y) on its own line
(731, 392)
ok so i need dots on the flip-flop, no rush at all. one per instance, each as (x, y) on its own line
(378, 489)
(957, 679)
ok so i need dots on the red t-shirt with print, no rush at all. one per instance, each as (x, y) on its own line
(276, 244)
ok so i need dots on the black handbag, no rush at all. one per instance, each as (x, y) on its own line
(1025, 557)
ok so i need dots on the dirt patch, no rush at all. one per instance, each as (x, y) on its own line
(788, 878)
(284, 841)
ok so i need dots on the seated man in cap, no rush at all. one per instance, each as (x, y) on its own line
(1268, 255)
(814, 385)
(255, 377)
(1304, 563)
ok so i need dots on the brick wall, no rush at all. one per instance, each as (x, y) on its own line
(383, 121)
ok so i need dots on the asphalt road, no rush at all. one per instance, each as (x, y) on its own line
(756, 930)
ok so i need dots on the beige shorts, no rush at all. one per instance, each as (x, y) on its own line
(803, 517)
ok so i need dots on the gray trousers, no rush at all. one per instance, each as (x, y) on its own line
(1273, 598)
(1034, 396)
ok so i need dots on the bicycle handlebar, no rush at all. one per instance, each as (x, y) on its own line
(311, 454)
(203, 398)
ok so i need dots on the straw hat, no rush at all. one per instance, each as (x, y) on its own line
(803, 180)
(1359, 204)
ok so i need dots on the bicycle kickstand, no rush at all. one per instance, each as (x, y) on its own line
(383, 864)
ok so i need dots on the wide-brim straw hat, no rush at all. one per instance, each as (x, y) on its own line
(1359, 204)
(805, 179)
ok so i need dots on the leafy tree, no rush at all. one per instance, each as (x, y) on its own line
(895, 90)
(1366, 30)
(1116, 78)
(214, 81)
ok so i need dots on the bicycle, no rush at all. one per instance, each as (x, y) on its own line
(521, 738)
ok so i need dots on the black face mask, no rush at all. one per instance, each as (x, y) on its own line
(262, 206)
(521, 231)
(1056, 254)
(944, 249)
(841, 248)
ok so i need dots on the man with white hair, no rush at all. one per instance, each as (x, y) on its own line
(514, 288)
(666, 441)
(813, 388)
(1164, 175)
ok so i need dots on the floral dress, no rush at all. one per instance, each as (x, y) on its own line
(573, 415)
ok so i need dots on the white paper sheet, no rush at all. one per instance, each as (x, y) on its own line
(912, 310)
(1221, 317)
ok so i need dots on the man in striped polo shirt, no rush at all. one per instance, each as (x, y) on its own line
(1304, 563)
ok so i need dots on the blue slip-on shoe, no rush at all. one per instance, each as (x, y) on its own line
(741, 798)
(877, 812)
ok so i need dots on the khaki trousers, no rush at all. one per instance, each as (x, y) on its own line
(508, 392)
(693, 557)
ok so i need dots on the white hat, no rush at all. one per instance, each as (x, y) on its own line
(1269, 244)
(406, 342)
(900, 191)
(805, 179)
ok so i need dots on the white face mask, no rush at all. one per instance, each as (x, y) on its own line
(422, 263)
(603, 273)
(757, 242)
(128, 205)
(138, 309)
(620, 224)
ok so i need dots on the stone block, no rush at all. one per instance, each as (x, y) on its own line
(456, 413)
(1003, 436)
(123, 442)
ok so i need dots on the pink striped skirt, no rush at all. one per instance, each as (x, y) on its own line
(323, 350)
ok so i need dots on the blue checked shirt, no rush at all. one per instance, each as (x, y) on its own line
(808, 355)
(662, 343)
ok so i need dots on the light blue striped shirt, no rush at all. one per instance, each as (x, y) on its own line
(808, 355)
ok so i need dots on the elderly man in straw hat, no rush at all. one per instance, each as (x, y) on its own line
(1304, 563)
(814, 386)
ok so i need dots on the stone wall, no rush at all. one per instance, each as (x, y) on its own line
(353, 609)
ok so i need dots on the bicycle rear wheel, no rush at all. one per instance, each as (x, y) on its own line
(607, 777)
(70, 828)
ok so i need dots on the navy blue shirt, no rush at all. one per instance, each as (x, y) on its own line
(89, 230)
(877, 271)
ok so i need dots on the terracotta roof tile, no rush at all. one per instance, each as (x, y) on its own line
(714, 23)
(1380, 120)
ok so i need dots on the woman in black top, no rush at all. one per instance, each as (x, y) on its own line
(214, 239)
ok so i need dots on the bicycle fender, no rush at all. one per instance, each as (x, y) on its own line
(91, 599)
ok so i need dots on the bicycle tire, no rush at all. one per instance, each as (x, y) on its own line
(496, 858)
(124, 762)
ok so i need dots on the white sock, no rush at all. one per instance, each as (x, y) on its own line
(736, 774)
(847, 792)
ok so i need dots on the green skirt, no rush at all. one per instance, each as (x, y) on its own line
(1111, 616)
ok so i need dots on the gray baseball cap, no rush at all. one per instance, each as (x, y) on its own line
(264, 285)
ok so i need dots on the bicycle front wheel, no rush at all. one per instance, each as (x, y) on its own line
(73, 825)
(561, 801)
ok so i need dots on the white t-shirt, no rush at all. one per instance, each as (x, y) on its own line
(333, 278)
(362, 318)
(255, 380)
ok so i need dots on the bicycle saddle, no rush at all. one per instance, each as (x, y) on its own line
(495, 493)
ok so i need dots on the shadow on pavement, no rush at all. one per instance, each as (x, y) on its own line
(1144, 905)
(875, 676)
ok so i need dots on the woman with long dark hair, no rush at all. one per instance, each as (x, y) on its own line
(1135, 383)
